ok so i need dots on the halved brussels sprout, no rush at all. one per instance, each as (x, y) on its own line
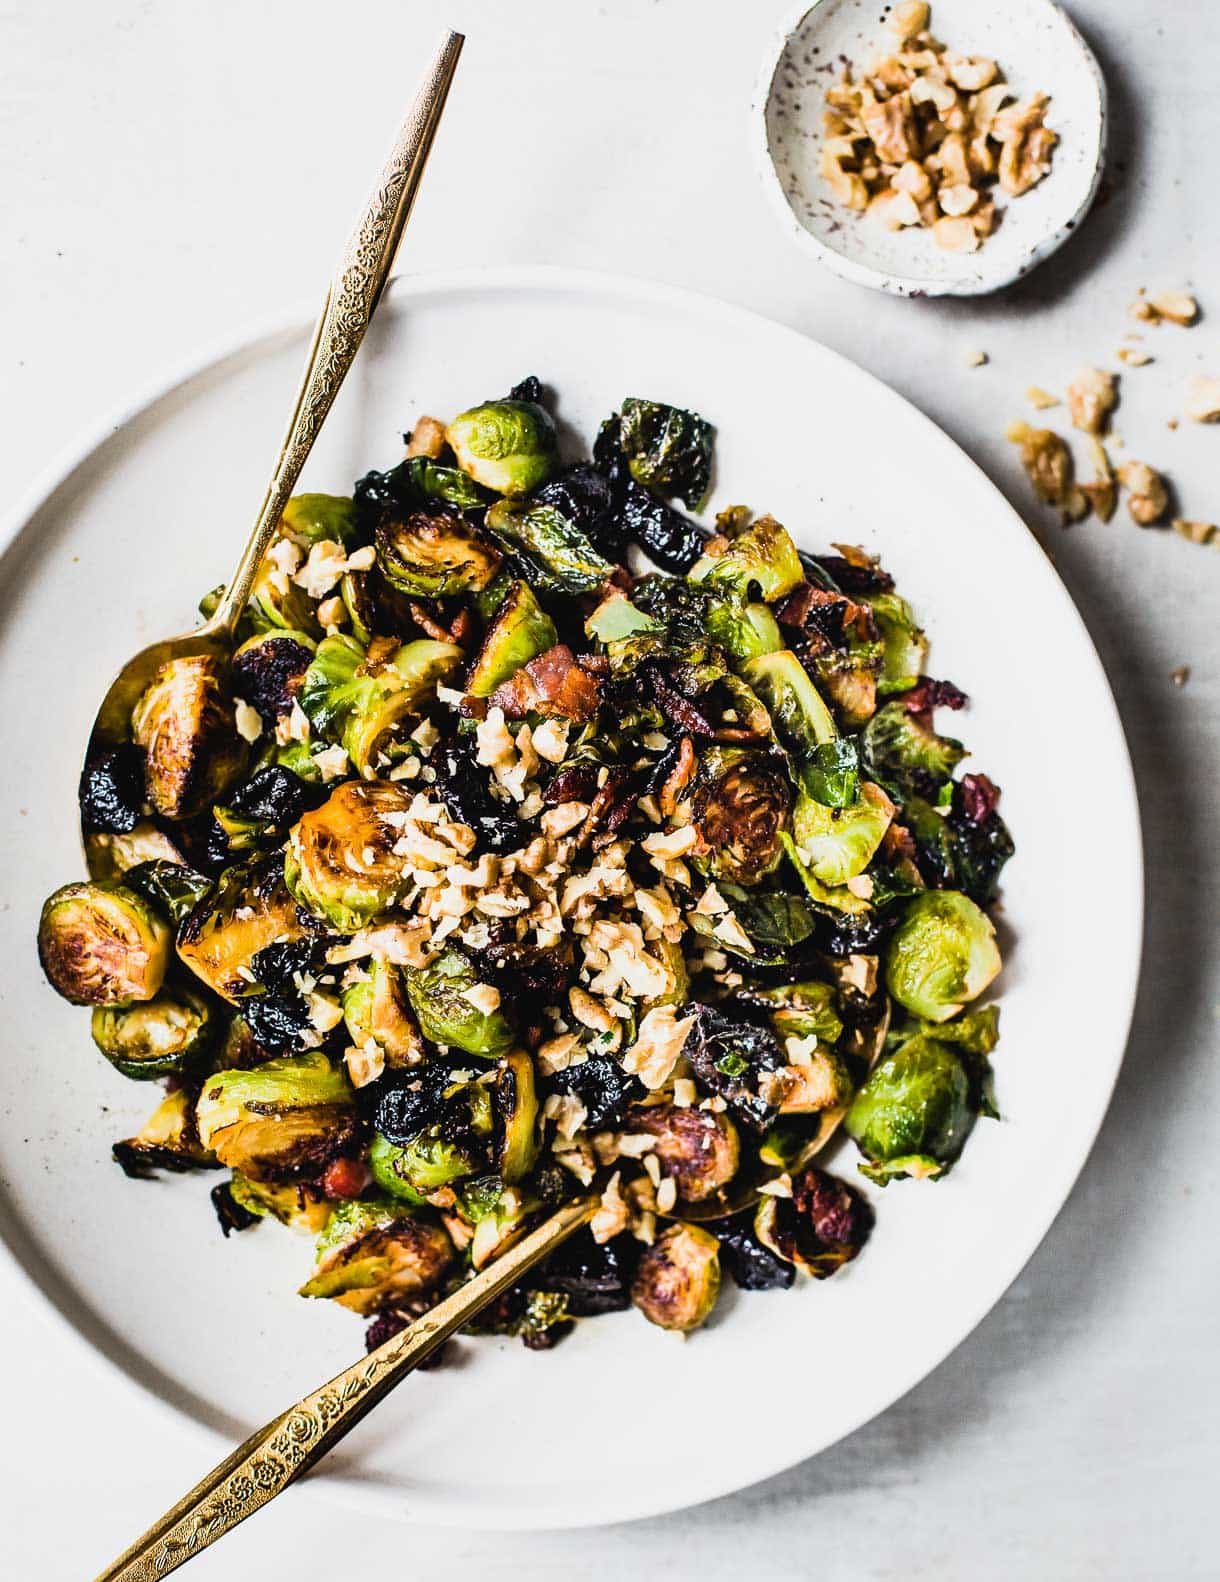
(762, 562)
(377, 1011)
(293, 1203)
(520, 632)
(799, 717)
(616, 618)
(277, 601)
(169, 1033)
(677, 1279)
(434, 556)
(341, 864)
(942, 955)
(554, 553)
(102, 944)
(801, 1009)
(515, 1105)
(739, 806)
(310, 518)
(745, 631)
(439, 997)
(168, 1140)
(901, 750)
(698, 1149)
(667, 448)
(914, 1113)
(395, 1167)
(283, 1119)
(838, 843)
(820, 1228)
(509, 446)
(111, 856)
(373, 1254)
(186, 725)
(905, 646)
(249, 909)
(818, 1082)
(837, 896)
(268, 670)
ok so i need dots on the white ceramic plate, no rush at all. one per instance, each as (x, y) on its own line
(622, 1420)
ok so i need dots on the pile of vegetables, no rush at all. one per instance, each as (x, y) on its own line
(535, 840)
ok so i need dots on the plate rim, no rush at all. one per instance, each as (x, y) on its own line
(425, 1507)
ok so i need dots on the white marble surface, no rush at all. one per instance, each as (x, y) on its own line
(171, 170)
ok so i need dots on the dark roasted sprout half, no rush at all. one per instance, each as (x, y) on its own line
(495, 866)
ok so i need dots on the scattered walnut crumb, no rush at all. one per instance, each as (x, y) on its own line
(1134, 357)
(1048, 464)
(1180, 676)
(1196, 532)
(1147, 493)
(1203, 404)
(1040, 399)
(976, 359)
(1102, 493)
(1179, 307)
(1091, 397)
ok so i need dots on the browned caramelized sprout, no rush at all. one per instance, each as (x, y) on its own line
(102, 944)
(698, 1149)
(283, 1119)
(678, 1278)
(186, 724)
(373, 1254)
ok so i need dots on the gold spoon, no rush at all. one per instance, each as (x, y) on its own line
(351, 299)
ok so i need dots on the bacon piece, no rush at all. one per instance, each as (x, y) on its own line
(343, 1178)
(928, 695)
(678, 710)
(553, 684)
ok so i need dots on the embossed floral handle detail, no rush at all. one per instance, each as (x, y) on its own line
(277, 1454)
(354, 291)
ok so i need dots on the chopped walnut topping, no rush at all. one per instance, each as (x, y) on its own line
(427, 438)
(1092, 396)
(1203, 405)
(909, 19)
(248, 720)
(1134, 357)
(1196, 532)
(1040, 399)
(1180, 675)
(364, 1065)
(1179, 307)
(658, 1047)
(1147, 494)
(1048, 464)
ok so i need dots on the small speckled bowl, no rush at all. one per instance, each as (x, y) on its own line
(1038, 50)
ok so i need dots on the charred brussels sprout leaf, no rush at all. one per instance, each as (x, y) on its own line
(698, 1149)
(172, 887)
(678, 1278)
(751, 1266)
(169, 1033)
(296, 1204)
(902, 751)
(249, 909)
(838, 843)
(904, 645)
(377, 1013)
(391, 1167)
(823, 1226)
(520, 632)
(762, 563)
(434, 556)
(744, 631)
(102, 944)
(616, 618)
(421, 480)
(284, 1119)
(373, 1254)
(112, 790)
(509, 446)
(268, 670)
(802, 722)
(800, 1009)
(601, 1085)
(583, 497)
(774, 919)
(739, 808)
(831, 773)
(439, 995)
(230, 1214)
(515, 1108)
(914, 1113)
(730, 1058)
(186, 726)
(168, 1140)
(942, 955)
(667, 449)
(553, 553)
(341, 864)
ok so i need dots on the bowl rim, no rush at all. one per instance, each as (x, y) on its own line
(862, 274)
(346, 1490)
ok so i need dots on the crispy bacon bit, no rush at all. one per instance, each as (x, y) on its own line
(898, 842)
(679, 710)
(553, 684)
(928, 695)
(979, 797)
(472, 708)
(611, 805)
(343, 1178)
(458, 631)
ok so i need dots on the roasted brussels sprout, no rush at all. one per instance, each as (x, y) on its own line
(667, 449)
(284, 1119)
(616, 618)
(678, 1278)
(112, 856)
(509, 446)
(102, 944)
(440, 997)
(296, 1204)
(942, 955)
(904, 645)
(395, 1169)
(168, 1140)
(268, 670)
(838, 843)
(372, 1254)
(172, 887)
(520, 632)
(739, 806)
(515, 1106)
(340, 864)
(111, 790)
(800, 1009)
(821, 1227)
(744, 631)
(799, 717)
(902, 751)
(377, 1012)
(310, 518)
(186, 726)
(363, 702)
(762, 563)
(553, 553)
(438, 1126)
(434, 556)
(914, 1113)
(250, 909)
(699, 1149)
(171, 1032)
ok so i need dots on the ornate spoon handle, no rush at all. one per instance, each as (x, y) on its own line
(290, 1444)
(354, 291)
